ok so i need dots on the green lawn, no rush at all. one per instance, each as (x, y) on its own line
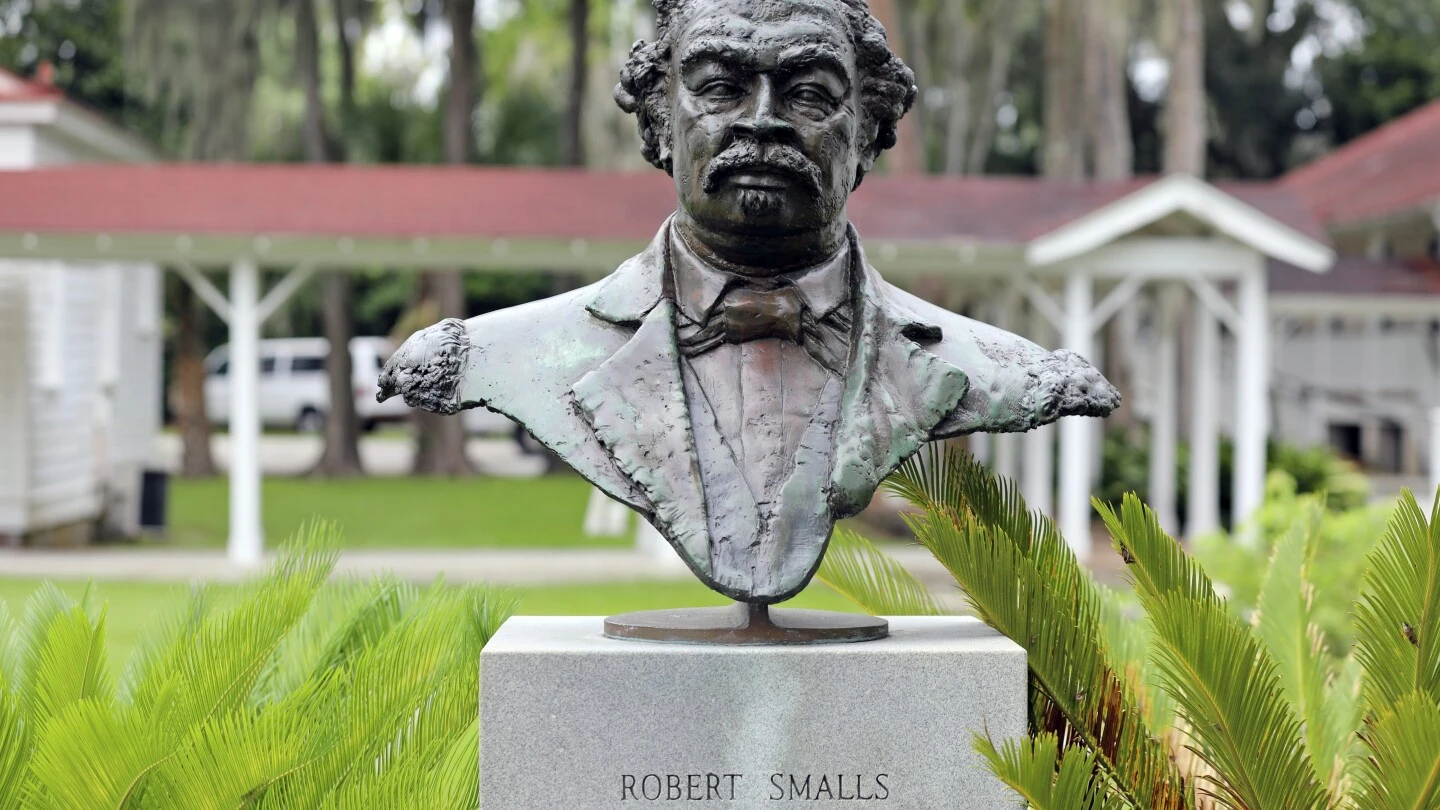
(482, 512)
(131, 604)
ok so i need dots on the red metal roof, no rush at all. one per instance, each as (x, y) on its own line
(1389, 170)
(434, 201)
(1357, 275)
(14, 87)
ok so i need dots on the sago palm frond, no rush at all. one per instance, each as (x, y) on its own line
(93, 756)
(1034, 769)
(1403, 769)
(1020, 578)
(14, 750)
(1398, 613)
(858, 570)
(70, 665)
(343, 619)
(9, 650)
(1285, 623)
(161, 636)
(1219, 674)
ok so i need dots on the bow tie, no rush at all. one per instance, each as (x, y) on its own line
(744, 314)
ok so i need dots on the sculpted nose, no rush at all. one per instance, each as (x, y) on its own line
(760, 121)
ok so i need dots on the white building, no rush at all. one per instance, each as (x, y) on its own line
(80, 349)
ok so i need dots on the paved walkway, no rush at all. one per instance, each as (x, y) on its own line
(385, 455)
(500, 567)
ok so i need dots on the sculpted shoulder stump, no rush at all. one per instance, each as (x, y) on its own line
(749, 379)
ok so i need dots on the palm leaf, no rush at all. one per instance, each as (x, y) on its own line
(88, 757)
(161, 637)
(15, 742)
(1286, 625)
(1403, 769)
(1397, 616)
(1034, 769)
(1219, 674)
(70, 665)
(1020, 577)
(858, 570)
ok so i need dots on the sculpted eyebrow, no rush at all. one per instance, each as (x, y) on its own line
(715, 50)
(808, 56)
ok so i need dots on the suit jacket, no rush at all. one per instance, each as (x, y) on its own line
(595, 375)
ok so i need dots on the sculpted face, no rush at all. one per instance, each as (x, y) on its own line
(765, 117)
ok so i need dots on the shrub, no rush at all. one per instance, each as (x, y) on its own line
(298, 693)
(1125, 465)
(1345, 538)
(1184, 704)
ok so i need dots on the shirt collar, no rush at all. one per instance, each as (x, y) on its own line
(825, 286)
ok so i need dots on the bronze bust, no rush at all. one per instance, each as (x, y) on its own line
(749, 379)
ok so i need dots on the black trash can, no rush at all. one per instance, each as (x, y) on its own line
(154, 498)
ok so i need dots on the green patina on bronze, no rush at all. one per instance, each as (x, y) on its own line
(702, 383)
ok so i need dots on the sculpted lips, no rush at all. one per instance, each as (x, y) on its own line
(760, 177)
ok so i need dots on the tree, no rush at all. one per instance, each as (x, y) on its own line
(341, 454)
(1394, 69)
(199, 65)
(1185, 102)
(579, 79)
(440, 440)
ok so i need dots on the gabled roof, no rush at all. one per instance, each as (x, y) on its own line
(1258, 215)
(1391, 170)
(30, 103)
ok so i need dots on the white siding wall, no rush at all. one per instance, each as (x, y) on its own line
(131, 383)
(14, 406)
(66, 318)
(17, 147)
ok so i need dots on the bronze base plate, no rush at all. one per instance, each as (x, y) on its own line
(743, 624)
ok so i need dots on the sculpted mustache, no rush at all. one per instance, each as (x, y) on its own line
(749, 156)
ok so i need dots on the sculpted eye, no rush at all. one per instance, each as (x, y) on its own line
(720, 89)
(812, 95)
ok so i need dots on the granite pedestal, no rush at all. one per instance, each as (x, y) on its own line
(571, 720)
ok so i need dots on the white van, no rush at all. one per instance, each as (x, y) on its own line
(295, 391)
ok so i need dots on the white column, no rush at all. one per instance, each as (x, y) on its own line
(1075, 433)
(1165, 416)
(247, 542)
(1038, 470)
(1434, 453)
(1203, 505)
(1252, 406)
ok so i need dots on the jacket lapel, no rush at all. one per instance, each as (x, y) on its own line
(896, 392)
(635, 402)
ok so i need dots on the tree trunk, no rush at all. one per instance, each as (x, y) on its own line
(1107, 89)
(1065, 125)
(908, 154)
(341, 454)
(1185, 127)
(579, 79)
(1002, 51)
(440, 440)
(187, 389)
(958, 123)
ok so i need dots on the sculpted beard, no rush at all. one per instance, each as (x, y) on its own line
(750, 156)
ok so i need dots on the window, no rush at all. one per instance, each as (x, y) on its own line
(267, 365)
(222, 369)
(307, 363)
(1345, 439)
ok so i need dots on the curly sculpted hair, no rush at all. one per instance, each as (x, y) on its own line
(887, 85)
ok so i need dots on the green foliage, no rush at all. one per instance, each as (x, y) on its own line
(1201, 706)
(295, 692)
(1125, 468)
(1342, 540)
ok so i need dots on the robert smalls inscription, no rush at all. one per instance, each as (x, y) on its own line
(774, 787)
(749, 379)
